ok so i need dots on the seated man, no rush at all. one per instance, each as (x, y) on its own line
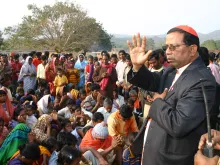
(118, 100)
(107, 109)
(99, 139)
(120, 124)
(94, 99)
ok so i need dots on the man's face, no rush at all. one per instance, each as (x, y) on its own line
(122, 56)
(44, 62)
(90, 61)
(155, 63)
(133, 97)
(128, 62)
(115, 95)
(181, 54)
(4, 59)
(70, 107)
(108, 108)
(68, 127)
(95, 93)
(16, 60)
(105, 60)
(114, 60)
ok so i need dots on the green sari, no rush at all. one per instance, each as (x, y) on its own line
(17, 137)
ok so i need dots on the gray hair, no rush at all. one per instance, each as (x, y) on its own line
(107, 102)
(132, 92)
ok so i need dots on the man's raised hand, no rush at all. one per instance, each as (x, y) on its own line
(137, 51)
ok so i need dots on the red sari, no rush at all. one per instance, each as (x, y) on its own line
(9, 109)
(51, 70)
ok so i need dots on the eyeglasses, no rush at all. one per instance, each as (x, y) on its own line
(171, 47)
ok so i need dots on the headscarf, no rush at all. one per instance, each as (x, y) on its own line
(17, 137)
(43, 104)
(9, 107)
(80, 65)
(89, 141)
(52, 64)
(100, 131)
(27, 68)
(40, 127)
(103, 84)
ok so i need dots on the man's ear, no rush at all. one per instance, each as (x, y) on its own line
(193, 50)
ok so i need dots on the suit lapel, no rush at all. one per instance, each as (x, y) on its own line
(167, 78)
(176, 85)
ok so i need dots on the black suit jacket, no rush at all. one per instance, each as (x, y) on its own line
(179, 120)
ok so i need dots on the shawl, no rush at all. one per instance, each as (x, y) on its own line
(43, 104)
(40, 127)
(137, 104)
(79, 64)
(103, 84)
(27, 68)
(9, 108)
(64, 65)
(89, 141)
(17, 137)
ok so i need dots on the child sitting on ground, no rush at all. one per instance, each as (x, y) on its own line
(79, 118)
(31, 109)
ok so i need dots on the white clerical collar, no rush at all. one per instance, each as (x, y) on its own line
(181, 70)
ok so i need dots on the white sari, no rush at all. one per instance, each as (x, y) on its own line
(28, 81)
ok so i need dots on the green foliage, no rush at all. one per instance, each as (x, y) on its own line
(61, 27)
(1, 38)
(209, 44)
(121, 43)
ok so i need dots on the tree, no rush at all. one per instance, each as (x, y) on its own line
(209, 44)
(217, 43)
(150, 44)
(61, 27)
(1, 39)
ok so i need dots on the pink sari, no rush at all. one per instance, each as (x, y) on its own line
(103, 84)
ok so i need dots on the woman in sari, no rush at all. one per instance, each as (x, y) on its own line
(42, 128)
(17, 137)
(6, 108)
(63, 64)
(106, 76)
(80, 65)
(28, 74)
(44, 104)
(51, 70)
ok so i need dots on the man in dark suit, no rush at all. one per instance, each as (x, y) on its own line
(177, 117)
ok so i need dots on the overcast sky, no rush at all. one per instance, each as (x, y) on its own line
(149, 17)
